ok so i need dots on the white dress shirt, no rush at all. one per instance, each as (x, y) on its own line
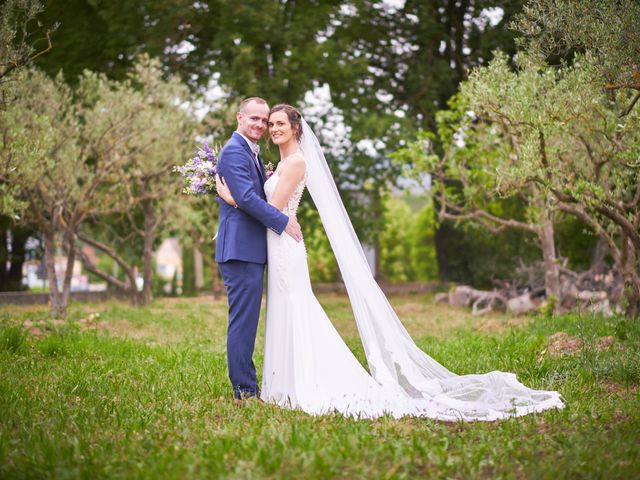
(255, 148)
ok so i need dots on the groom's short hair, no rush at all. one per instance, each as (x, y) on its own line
(248, 100)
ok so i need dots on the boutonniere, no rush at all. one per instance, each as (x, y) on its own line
(268, 168)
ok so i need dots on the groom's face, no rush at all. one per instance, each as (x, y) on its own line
(252, 120)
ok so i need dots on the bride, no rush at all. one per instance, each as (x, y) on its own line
(307, 365)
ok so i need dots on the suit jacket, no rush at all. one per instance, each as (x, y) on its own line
(242, 231)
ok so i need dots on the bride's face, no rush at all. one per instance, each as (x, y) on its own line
(280, 128)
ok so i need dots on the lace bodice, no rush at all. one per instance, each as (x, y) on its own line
(294, 200)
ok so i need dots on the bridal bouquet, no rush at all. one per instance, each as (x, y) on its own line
(199, 172)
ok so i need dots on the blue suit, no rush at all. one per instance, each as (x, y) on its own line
(241, 253)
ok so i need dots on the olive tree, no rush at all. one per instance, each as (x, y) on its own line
(607, 29)
(159, 135)
(56, 162)
(467, 160)
(562, 137)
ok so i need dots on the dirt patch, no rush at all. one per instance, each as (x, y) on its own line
(492, 325)
(561, 343)
(543, 427)
(623, 391)
(604, 343)
(40, 329)
(36, 332)
(497, 324)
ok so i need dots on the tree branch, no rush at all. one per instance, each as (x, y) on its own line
(487, 219)
(112, 253)
(627, 110)
(86, 263)
(620, 220)
(10, 66)
(601, 232)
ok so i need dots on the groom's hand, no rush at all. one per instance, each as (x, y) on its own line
(293, 229)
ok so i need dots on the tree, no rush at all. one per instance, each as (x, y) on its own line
(105, 149)
(108, 37)
(566, 142)
(160, 132)
(423, 242)
(395, 245)
(21, 42)
(607, 29)
(411, 58)
(16, 37)
(397, 68)
(188, 273)
(389, 70)
(55, 160)
(469, 182)
(12, 258)
(17, 50)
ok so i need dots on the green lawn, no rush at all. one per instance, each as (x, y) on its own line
(119, 392)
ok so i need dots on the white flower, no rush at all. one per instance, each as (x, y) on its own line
(207, 165)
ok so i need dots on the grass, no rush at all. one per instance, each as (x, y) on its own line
(119, 392)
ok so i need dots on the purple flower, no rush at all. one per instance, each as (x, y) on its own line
(199, 171)
(199, 182)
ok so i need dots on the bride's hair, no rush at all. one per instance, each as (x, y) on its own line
(294, 116)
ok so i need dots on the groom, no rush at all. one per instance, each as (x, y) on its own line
(241, 248)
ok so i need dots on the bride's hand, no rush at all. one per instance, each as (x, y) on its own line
(224, 192)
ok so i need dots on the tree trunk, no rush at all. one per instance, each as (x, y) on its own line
(632, 295)
(55, 300)
(630, 268)
(70, 245)
(19, 236)
(197, 268)
(600, 253)
(4, 253)
(149, 237)
(551, 268)
(216, 286)
(188, 270)
(129, 286)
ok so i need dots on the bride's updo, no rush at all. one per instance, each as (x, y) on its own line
(294, 116)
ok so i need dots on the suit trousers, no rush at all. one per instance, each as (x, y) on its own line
(244, 283)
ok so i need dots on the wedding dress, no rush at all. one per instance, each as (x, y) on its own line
(308, 366)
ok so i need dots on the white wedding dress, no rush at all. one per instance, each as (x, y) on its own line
(308, 366)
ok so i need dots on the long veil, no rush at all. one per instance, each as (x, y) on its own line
(394, 359)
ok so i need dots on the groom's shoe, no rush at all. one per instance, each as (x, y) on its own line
(242, 397)
(247, 400)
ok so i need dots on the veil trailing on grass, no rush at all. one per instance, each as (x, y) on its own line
(394, 359)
